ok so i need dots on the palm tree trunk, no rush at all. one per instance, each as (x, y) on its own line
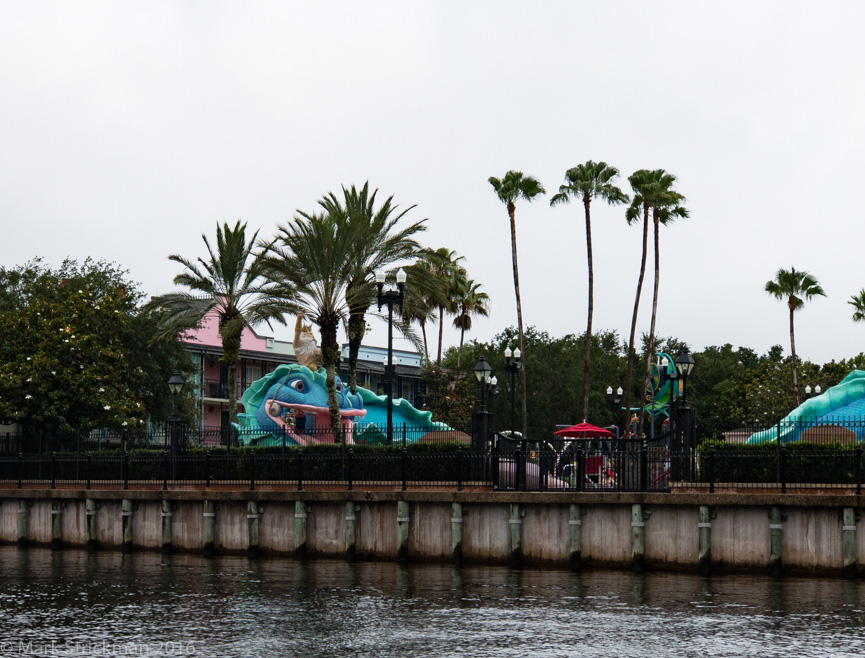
(441, 329)
(329, 355)
(588, 355)
(792, 306)
(651, 347)
(630, 369)
(523, 401)
(423, 333)
(356, 330)
(460, 353)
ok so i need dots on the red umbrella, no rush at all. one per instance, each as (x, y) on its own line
(584, 431)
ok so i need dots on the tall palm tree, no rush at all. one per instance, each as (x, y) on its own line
(229, 280)
(585, 182)
(379, 245)
(311, 261)
(513, 187)
(640, 181)
(858, 304)
(666, 206)
(446, 267)
(422, 291)
(470, 301)
(797, 288)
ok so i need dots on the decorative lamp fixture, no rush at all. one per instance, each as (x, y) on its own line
(482, 370)
(175, 383)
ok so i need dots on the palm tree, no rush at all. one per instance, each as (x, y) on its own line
(311, 261)
(444, 264)
(640, 181)
(379, 245)
(666, 206)
(513, 187)
(797, 288)
(858, 304)
(470, 301)
(229, 281)
(587, 181)
(422, 291)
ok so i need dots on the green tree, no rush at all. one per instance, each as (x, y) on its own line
(796, 288)
(310, 262)
(586, 182)
(445, 266)
(470, 301)
(423, 289)
(379, 245)
(229, 281)
(857, 301)
(76, 354)
(510, 189)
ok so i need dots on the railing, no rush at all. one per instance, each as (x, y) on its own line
(368, 469)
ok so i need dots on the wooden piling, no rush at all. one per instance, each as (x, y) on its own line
(848, 520)
(350, 532)
(167, 539)
(457, 533)
(704, 526)
(299, 529)
(56, 525)
(22, 522)
(402, 521)
(252, 513)
(515, 528)
(775, 527)
(90, 523)
(209, 519)
(575, 524)
(126, 524)
(638, 545)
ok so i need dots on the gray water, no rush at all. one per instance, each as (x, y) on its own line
(72, 603)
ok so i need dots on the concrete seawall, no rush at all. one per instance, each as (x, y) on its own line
(803, 534)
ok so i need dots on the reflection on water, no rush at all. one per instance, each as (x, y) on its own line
(110, 603)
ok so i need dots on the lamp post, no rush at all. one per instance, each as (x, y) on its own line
(391, 298)
(482, 373)
(513, 364)
(175, 384)
(817, 390)
(683, 438)
(614, 400)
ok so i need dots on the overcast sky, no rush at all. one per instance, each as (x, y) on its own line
(129, 129)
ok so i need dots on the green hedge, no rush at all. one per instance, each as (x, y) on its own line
(803, 462)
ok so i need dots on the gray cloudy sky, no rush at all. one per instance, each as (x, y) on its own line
(128, 129)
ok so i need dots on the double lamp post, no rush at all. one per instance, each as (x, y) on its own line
(390, 298)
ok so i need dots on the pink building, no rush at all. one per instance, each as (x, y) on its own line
(260, 355)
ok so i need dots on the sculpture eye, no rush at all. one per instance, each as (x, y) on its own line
(298, 385)
(338, 387)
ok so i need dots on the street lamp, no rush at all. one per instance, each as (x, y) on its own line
(482, 373)
(391, 298)
(175, 384)
(684, 366)
(513, 365)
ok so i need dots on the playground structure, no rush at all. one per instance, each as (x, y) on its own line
(834, 415)
(292, 402)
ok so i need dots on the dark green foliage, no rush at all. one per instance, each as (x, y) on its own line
(76, 353)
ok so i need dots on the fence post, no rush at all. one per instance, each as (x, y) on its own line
(283, 453)
(53, 469)
(712, 471)
(859, 470)
(404, 468)
(495, 463)
(644, 467)
(89, 455)
(164, 470)
(404, 431)
(460, 468)
(350, 460)
(778, 448)
(252, 470)
(300, 470)
(783, 470)
(207, 468)
(518, 457)
(125, 470)
(20, 466)
(581, 464)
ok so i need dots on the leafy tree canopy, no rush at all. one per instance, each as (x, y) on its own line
(76, 354)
